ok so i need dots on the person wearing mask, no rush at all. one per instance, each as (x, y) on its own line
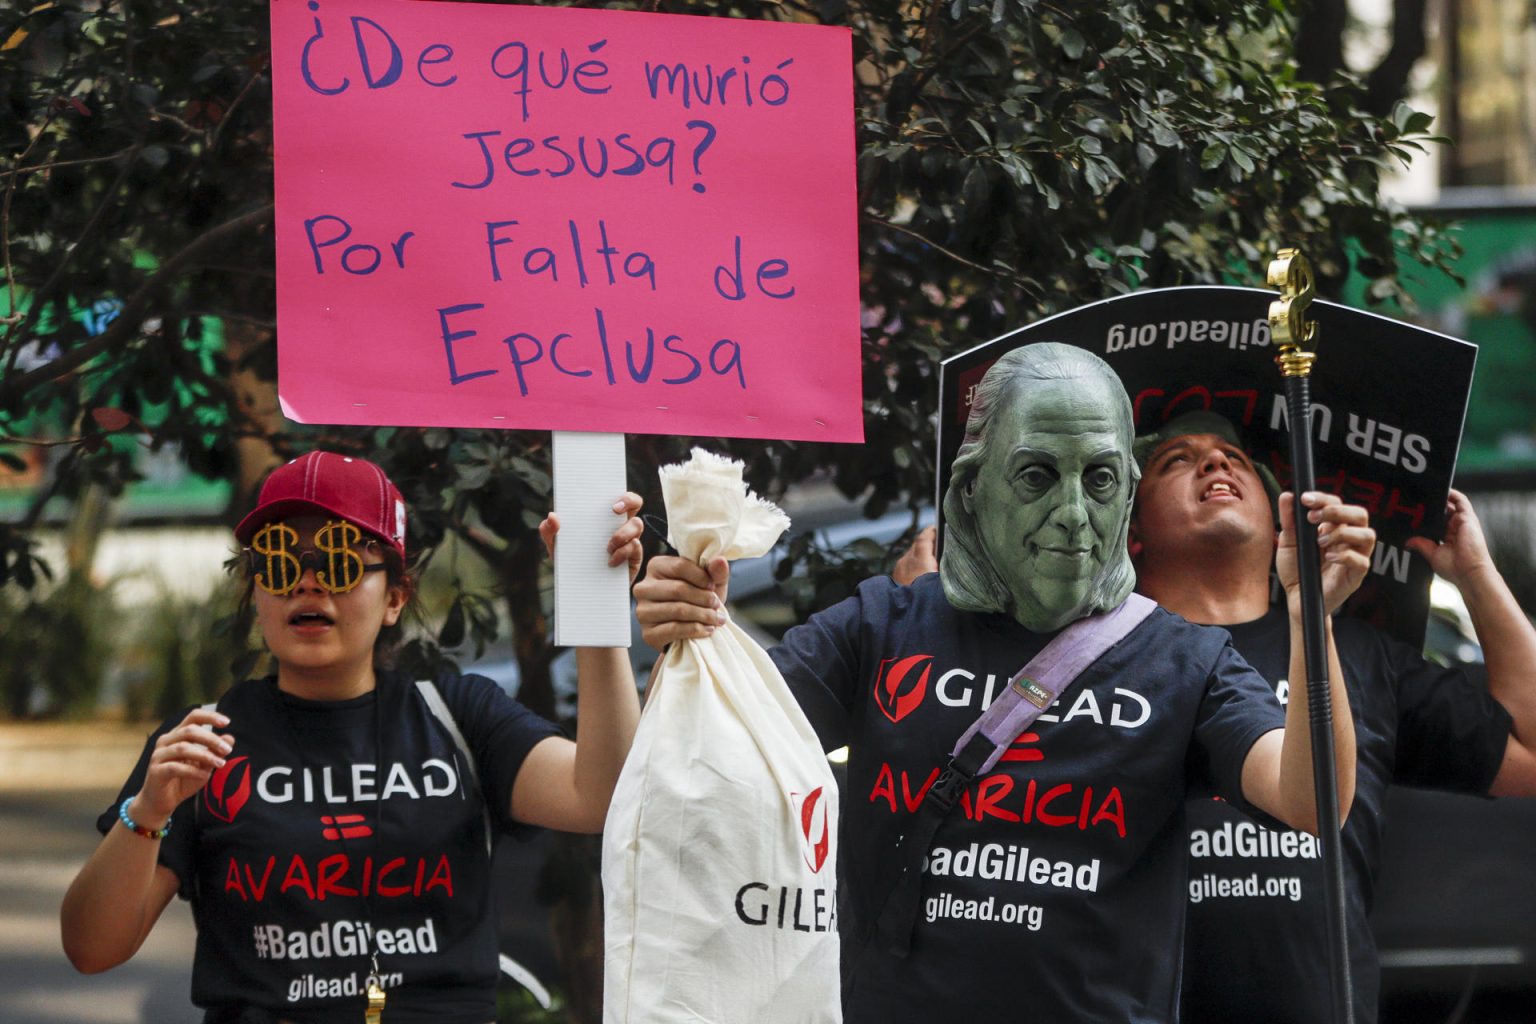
(1055, 886)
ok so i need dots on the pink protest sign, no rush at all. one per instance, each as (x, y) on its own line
(532, 217)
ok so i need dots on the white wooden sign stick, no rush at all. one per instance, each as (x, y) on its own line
(591, 597)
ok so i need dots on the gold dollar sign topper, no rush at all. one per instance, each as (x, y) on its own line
(1291, 272)
(375, 1010)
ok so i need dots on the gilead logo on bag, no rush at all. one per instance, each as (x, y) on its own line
(815, 829)
(794, 907)
(896, 694)
(787, 907)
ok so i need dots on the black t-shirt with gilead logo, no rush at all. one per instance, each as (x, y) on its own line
(308, 850)
(1255, 945)
(1054, 890)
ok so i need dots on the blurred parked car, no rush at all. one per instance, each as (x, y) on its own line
(1455, 915)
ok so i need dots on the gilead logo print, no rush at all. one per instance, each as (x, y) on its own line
(896, 693)
(815, 829)
(228, 789)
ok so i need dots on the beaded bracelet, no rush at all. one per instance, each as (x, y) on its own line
(140, 830)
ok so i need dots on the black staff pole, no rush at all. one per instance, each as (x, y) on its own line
(1292, 274)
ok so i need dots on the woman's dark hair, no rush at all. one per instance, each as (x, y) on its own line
(403, 573)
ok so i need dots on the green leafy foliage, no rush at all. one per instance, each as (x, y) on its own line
(53, 650)
(817, 576)
(1016, 158)
(187, 647)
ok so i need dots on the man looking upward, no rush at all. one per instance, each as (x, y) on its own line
(1202, 537)
(1056, 886)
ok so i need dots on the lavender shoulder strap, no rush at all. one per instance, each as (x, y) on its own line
(1037, 685)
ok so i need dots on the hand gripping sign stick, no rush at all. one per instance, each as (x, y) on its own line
(1291, 273)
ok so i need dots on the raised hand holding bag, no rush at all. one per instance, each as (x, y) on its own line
(719, 853)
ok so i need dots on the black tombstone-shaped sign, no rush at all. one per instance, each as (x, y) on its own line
(1388, 403)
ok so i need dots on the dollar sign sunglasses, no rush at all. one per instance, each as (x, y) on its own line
(276, 563)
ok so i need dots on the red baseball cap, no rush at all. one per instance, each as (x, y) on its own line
(335, 486)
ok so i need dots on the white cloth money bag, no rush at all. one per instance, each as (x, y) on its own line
(719, 853)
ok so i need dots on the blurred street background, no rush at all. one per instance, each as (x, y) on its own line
(1015, 160)
(54, 780)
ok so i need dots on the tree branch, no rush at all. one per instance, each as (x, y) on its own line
(1319, 41)
(1000, 275)
(14, 340)
(19, 171)
(479, 542)
(12, 317)
(229, 111)
(1388, 83)
(135, 311)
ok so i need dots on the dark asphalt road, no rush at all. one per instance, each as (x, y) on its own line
(44, 838)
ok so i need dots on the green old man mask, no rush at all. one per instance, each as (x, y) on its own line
(1040, 499)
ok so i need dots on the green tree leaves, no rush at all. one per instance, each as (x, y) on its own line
(1016, 158)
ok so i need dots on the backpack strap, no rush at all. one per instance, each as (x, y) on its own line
(439, 708)
(1033, 689)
